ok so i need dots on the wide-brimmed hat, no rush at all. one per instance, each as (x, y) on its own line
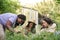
(32, 21)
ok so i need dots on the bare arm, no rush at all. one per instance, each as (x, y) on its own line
(8, 24)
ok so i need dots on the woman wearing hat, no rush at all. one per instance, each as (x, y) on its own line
(30, 27)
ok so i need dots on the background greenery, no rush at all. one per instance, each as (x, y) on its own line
(9, 6)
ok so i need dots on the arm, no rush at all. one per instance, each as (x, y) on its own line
(8, 25)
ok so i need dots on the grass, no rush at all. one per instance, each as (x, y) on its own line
(42, 36)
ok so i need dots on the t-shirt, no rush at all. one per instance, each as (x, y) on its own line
(7, 16)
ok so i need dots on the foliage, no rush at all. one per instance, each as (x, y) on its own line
(9, 6)
(58, 1)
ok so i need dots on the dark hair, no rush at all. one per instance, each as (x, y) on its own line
(40, 17)
(33, 27)
(23, 17)
(48, 20)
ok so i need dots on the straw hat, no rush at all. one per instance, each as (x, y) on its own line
(32, 21)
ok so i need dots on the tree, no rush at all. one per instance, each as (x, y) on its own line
(9, 6)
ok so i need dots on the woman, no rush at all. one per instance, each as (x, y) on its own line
(47, 25)
(30, 27)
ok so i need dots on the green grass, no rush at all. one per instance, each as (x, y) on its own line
(42, 36)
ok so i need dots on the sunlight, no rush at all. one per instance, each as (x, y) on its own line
(29, 2)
